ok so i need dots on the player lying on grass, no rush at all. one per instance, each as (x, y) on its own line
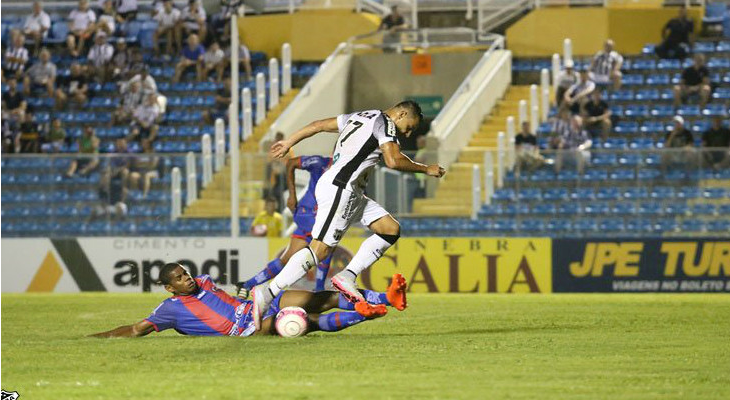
(303, 211)
(199, 308)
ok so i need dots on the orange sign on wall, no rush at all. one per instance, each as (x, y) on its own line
(421, 64)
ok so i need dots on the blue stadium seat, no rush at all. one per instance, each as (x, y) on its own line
(529, 195)
(555, 194)
(718, 226)
(647, 94)
(622, 95)
(608, 193)
(615, 143)
(722, 93)
(662, 110)
(611, 225)
(596, 208)
(676, 208)
(516, 209)
(622, 174)
(650, 209)
(658, 79)
(531, 225)
(630, 159)
(641, 144)
(715, 110)
(583, 194)
(666, 225)
(568, 209)
(504, 225)
(627, 127)
(703, 209)
(648, 174)
(689, 110)
(504, 195)
(636, 111)
(715, 193)
(490, 210)
(692, 226)
(544, 209)
(585, 225)
(595, 174)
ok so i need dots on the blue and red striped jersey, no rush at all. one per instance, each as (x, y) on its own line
(209, 312)
(316, 165)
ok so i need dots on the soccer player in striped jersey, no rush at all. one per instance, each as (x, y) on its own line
(198, 307)
(303, 211)
(364, 137)
(606, 66)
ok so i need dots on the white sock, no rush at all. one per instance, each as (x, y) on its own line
(370, 251)
(298, 265)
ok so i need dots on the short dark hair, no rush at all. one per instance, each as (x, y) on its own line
(166, 271)
(271, 199)
(412, 108)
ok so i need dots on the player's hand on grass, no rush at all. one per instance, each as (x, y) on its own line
(435, 170)
(280, 149)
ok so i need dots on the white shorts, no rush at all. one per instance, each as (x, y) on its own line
(337, 208)
(600, 79)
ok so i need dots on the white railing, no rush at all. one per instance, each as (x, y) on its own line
(274, 88)
(402, 195)
(476, 194)
(220, 144)
(493, 13)
(473, 100)
(207, 160)
(421, 38)
(176, 192)
(191, 179)
(606, 3)
(260, 98)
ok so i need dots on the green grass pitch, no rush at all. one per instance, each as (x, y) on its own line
(443, 346)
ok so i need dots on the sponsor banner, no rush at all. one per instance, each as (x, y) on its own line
(450, 265)
(643, 265)
(123, 264)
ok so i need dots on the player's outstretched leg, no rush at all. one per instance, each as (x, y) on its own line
(339, 320)
(298, 265)
(322, 270)
(370, 251)
(272, 269)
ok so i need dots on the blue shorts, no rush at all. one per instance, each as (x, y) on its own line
(305, 222)
(247, 321)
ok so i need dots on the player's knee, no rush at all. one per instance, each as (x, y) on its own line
(390, 238)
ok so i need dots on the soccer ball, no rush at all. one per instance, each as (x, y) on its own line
(291, 322)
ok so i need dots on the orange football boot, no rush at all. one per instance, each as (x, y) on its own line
(370, 311)
(396, 292)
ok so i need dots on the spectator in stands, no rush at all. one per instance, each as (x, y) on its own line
(100, 58)
(112, 196)
(677, 37)
(29, 138)
(528, 154)
(120, 163)
(132, 97)
(108, 19)
(244, 59)
(567, 78)
(147, 82)
(222, 101)
(42, 75)
(127, 9)
(169, 27)
(579, 93)
(597, 116)
(268, 223)
(16, 57)
(193, 20)
(213, 61)
(717, 138)
(145, 118)
(606, 66)
(75, 86)
(573, 146)
(695, 80)
(391, 25)
(37, 25)
(192, 55)
(144, 166)
(55, 139)
(88, 150)
(560, 124)
(121, 61)
(679, 146)
(82, 23)
(221, 22)
(13, 104)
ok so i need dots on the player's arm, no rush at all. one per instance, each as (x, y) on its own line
(141, 328)
(280, 148)
(395, 159)
(291, 165)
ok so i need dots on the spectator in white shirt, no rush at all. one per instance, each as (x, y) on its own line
(170, 27)
(606, 66)
(100, 57)
(127, 9)
(144, 119)
(41, 75)
(573, 146)
(121, 61)
(213, 60)
(131, 94)
(244, 58)
(16, 58)
(108, 19)
(567, 78)
(193, 17)
(147, 82)
(37, 25)
(82, 23)
(578, 94)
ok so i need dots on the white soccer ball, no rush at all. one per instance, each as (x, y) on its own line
(291, 322)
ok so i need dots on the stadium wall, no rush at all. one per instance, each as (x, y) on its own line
(372, 76)
(541, 32)
(312, 34)
(430, 265)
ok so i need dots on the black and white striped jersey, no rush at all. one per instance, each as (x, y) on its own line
(604, 63)
(357, 149)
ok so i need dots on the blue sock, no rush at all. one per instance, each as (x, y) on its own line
(272, 269)
(322, 269)
(372, 297)
(339, 320)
